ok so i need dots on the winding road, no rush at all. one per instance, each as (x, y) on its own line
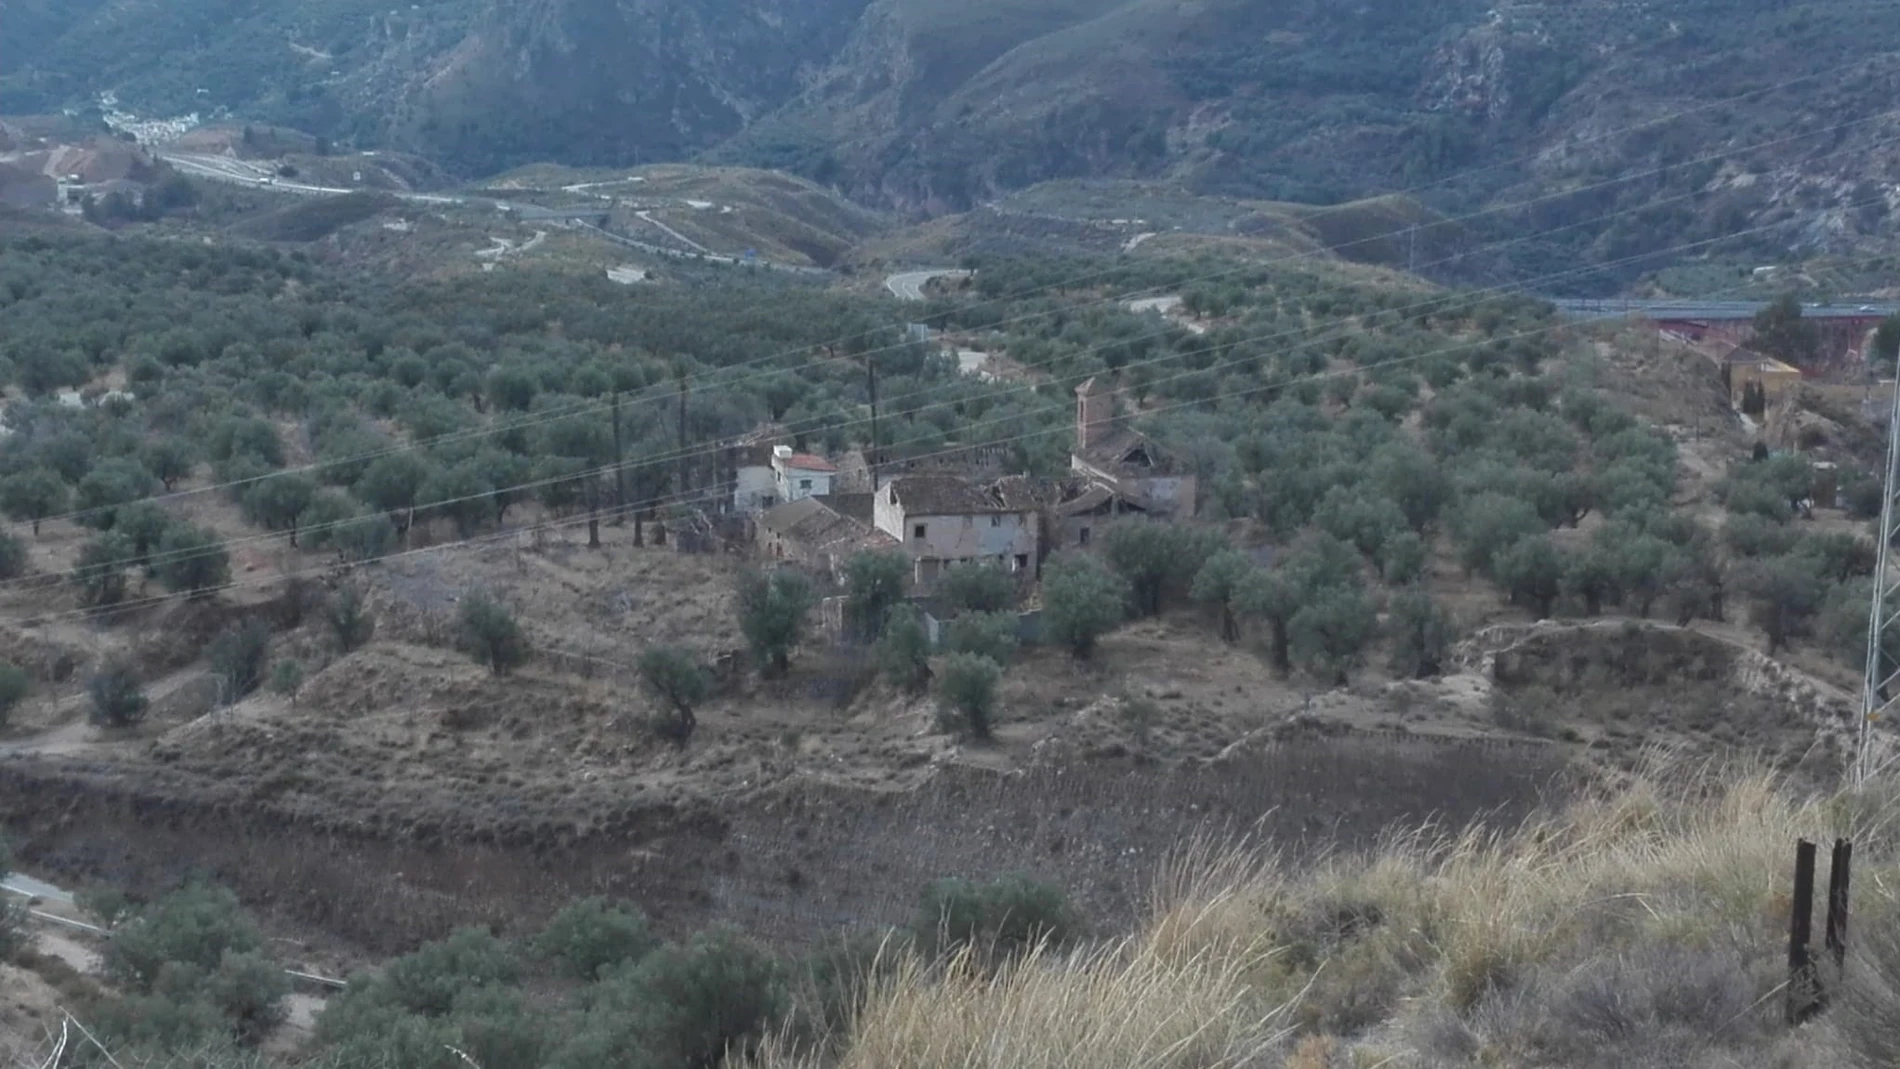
(909, 285)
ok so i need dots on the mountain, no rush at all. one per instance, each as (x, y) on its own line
(931, 106)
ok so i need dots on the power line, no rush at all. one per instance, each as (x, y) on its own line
(1434, 302)
(1307, 336)
(715, 494)
(593, 407)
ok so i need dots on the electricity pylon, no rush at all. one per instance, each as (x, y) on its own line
(1880, 693)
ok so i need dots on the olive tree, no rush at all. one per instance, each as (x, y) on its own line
(773, 607)
(1082, 601)
(673, 676)
(487, 631)
(968, 691)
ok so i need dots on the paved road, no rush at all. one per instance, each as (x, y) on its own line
(227, 169)
(1617, 308)
(909, 285)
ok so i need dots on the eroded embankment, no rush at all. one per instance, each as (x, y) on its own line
(786, 864)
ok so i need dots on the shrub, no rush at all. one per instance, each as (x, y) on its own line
(967, 691)
(874, 584)
(977, 588)
(286, 678)
(99, 573)
(832, 984)
(238, 658)
(591, 936)
(904, 651)
(487, 631)
(349, 618)
(1220, 585)
(1784, 594)
(14, 687)
(985, 634)
(13, 559)
(192, 560)
(118, 699)
(772, 610)
(14, 936)
(365, 537)
(197, 926)
(164, 1022)
(1082, 601)
(143, 525)
(428, 981)
(1421, 635)
(248, 991)
(1329, 633)
(694, 1005)
(1865, 1019)
(674, 677)
(1000, 919)
(1158, 560)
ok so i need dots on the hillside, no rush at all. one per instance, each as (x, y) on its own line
(378, 599)
(928, 108)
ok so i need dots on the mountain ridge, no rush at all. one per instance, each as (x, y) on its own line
(927, 109)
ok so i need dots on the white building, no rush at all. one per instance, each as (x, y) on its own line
(801, 475)
(946, 519)
(755, 484)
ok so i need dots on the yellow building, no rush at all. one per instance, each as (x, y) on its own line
(1755, 382)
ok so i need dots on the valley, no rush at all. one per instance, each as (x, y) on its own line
(883, 534)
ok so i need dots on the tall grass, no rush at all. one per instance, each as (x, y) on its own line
(1641, 925)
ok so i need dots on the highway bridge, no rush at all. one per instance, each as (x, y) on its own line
(1680, 310)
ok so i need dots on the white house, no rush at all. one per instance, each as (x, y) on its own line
(946, 519)
(801, 475)
(755, 484)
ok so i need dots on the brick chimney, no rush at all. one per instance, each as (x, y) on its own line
(1094, 411)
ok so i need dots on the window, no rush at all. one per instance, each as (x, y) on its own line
(996, 521)
(917, 531)
(1022, 562)
(1084, 539)
(765, 500)
(804, 484)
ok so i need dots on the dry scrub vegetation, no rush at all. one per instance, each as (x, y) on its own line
(1641, 926)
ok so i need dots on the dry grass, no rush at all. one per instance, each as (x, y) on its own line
(1129, 1003)
(1640, 926)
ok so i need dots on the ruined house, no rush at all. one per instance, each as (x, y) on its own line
(1132, 470)
(944, 519)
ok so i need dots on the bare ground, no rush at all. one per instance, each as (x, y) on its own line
(403, 790)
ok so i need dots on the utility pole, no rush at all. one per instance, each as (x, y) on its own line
(685, 472)
(870, 368)
(620, 465)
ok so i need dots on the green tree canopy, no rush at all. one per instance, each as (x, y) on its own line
(192, 560)
(1082, 601)
(967, 691)
(487, 631)
(33, 495)
(673, 676)
(875, 582)
(772, 611)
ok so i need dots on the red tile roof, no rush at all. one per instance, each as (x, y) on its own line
(807, 462)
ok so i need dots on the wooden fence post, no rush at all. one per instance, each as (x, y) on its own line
(1840, 872)
(1801, 993)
